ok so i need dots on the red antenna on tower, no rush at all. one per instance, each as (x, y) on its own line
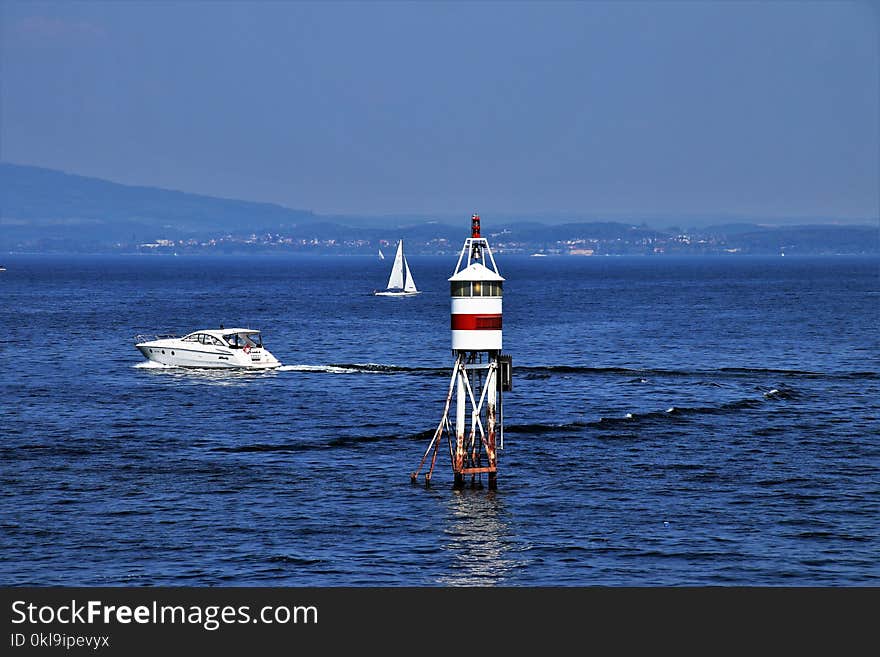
(475, 235)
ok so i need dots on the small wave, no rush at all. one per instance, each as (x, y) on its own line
(299, 561)
(544, 428)
(676, 412)
(739, 404)
(578, 369)
(354, 441)
(357, 441)
(427, 434)
(672, 413)
(340, 441)
(800, 373)
(780, 393)
(736, 405)
(770, 431)
(604, 422)
(639, 374)
(767, 370)
(262, 447)
(783, 482)
(153, 365)
(636, 374)
(816, 534)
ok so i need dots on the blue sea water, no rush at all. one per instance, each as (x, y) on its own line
(673, 421)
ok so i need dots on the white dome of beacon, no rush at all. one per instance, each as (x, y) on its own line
(476, 289)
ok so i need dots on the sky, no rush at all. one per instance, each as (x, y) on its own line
(764, 109)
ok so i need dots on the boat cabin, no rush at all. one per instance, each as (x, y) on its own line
(233, 338)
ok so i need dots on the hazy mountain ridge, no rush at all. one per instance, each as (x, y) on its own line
(45, 197)
(48, 210)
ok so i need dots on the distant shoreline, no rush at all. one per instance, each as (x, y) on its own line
(48, 211)
(674, 256)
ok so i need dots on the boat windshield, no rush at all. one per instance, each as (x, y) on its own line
(240, 340)
(203, 338)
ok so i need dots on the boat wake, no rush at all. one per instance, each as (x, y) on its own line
(327, 369)
(153, 365)
(363, 368)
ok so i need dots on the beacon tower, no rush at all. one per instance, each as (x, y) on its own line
(480, 372)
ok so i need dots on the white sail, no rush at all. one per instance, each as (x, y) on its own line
(410, 285)
(400, 283)
(395, 281)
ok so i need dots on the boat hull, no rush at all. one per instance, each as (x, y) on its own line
(175, 353)
(395, 294)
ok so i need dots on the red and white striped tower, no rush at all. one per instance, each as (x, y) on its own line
(480, 373)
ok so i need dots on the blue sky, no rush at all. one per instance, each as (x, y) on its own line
(764, 109)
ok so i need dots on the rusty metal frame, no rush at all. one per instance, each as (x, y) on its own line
(466, 452)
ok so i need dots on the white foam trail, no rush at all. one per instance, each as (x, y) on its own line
(153, 365)
(331, 369)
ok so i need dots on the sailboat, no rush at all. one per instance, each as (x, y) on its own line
(400, 282)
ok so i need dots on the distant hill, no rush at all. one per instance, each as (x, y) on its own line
(807, 239)
(732, 229)
(65, 206)
(539, 233)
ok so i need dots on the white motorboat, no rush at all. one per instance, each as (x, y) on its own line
(400, 282)
(212, 348)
